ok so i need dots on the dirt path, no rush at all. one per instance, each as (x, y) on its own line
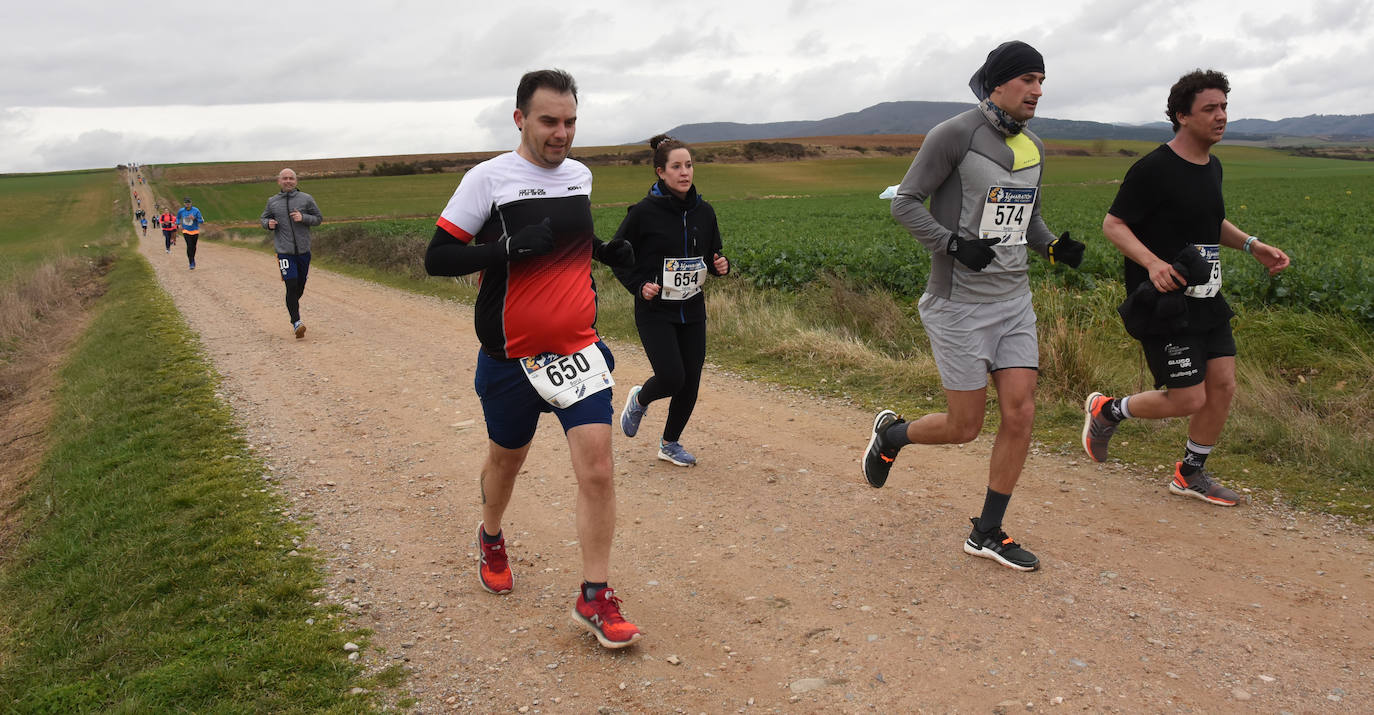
(770, 577)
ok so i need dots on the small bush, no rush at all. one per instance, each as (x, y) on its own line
(393, 247)
(754, 151)
(398, 168)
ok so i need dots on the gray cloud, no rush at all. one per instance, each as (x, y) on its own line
(1310, 18)
(641, 69)
(108, 148)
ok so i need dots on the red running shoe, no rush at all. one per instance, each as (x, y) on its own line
(493, 569)
(601, 616)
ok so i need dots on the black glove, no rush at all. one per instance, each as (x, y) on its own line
(1190, 264)
(976, 253)
(1066, 250)
(530, 241)
(616, 254)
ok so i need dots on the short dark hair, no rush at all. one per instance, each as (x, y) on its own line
(663, 145)
(555, 79)
(1187, 88)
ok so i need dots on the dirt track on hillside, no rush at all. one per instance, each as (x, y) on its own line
(769, 577)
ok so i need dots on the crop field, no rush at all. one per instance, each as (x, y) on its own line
(360, 197)
(426, 194)
(786, 243)
(42, 215)
(787, 223)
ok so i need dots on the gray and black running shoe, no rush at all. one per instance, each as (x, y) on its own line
(878, 459)
(1202, 486)
(1097, 429)
(1000, 548)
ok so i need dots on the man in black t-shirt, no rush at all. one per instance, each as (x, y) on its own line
(1171, 202)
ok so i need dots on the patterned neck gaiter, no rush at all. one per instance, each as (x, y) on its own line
(1000, 118)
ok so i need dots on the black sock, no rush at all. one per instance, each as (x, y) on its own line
(1115, 410)
(1194, 456)
(895, 435)
(589, 589)
(994, 508)
(488, 538)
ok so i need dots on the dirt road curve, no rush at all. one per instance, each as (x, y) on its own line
(770, 577)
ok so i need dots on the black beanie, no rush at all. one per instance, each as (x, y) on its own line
(1008, 61)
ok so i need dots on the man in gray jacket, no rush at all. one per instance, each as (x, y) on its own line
(981, 172)
(289, 215)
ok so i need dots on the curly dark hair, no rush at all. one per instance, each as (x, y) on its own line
(1187, 88)
(663, 145)
(556, 80)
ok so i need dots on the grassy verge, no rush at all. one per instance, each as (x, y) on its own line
(1298, 428)
(155, 570)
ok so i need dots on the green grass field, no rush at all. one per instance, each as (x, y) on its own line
(156, 573)
(342, 198)
(151, 571)
(824, 216)
(45, 215)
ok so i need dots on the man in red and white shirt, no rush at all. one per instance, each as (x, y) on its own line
(524, 220)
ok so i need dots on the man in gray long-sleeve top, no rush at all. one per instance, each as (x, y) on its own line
(289, 215)
(981, 171)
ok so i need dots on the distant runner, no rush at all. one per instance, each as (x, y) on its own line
(1170, 204)
(190, 219)
(289, 215)
(168, 223)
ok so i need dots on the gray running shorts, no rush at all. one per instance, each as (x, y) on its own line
(970, 340)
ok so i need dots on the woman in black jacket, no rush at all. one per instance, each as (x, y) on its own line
(676, 242)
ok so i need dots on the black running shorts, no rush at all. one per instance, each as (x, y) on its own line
(1181, 360)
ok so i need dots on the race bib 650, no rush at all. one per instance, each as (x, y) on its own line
(565, 380)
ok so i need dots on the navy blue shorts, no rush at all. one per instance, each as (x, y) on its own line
(293, 265)
(511, 406)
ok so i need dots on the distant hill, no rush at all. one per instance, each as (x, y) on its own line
(1335, 127)
(920, 117)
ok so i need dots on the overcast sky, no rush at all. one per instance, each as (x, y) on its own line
(93, 84)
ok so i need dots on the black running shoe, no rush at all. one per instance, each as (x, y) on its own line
(1000, 548)
(879, 457)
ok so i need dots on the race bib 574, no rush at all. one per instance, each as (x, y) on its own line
(1007, 214)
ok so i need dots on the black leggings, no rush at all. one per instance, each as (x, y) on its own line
(190, 246)
(295, 288)
(676, 352)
